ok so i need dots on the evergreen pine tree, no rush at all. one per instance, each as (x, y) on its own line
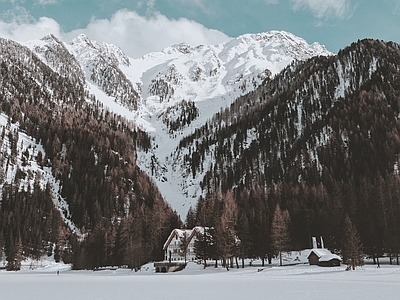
(243, 233)
(200, 248)
(14, 255)
(352, 252)
(190, 221)
(184, 239)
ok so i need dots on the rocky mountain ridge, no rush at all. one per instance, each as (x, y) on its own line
(178, 85)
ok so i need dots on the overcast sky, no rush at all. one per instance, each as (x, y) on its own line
(139, 27)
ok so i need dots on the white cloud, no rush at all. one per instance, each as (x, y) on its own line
(326, 8)
(23, 27)
(137, 35)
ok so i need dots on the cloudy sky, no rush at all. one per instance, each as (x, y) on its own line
(139, 27)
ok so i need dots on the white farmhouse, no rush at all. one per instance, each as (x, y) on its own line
(173, 251)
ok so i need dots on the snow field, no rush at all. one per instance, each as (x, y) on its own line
(290, 282)
(301, 282)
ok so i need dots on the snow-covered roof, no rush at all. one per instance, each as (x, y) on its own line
(199, 229)
(324, 255)
(179, 233)
(329, 257)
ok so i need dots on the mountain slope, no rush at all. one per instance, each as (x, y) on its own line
(284, 127)
(87, 161)
(321, 139)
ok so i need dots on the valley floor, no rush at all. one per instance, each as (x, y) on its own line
(290, 282)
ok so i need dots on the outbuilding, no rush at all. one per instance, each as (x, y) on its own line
(323, 258)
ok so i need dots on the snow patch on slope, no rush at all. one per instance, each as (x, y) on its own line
(26, 156)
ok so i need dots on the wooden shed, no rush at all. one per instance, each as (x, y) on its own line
(323, 258)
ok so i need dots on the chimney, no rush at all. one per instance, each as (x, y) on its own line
(322, 243)
(314, 242)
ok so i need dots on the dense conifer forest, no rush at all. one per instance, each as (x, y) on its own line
(321, 140)
(309, 149)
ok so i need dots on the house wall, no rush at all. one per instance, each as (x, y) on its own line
(190, 255)
(331, 263)
(175, 249)
(313, 259)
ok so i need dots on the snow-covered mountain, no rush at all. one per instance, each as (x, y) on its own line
(321, 137)
(212, 77)
(172, 92)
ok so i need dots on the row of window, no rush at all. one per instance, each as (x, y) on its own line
(179, 258)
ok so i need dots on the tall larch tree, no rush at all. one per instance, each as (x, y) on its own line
(280, 232)
(227, 235)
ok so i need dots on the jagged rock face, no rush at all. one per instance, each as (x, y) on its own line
(159, 80)
(86, 49)
(102, 63)
(233, 68)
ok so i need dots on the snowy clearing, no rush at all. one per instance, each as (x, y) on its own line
(291, 282)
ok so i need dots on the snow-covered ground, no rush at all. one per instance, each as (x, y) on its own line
(288, 282)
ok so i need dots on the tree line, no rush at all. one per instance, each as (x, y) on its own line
(262, 225)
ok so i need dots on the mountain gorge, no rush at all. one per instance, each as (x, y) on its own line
(196, 84)
(99, 143)
(174, 91)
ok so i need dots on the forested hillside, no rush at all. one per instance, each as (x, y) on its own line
(321, 140)
(311, 145)
(121, 217)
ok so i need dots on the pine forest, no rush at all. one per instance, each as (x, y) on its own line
(311, 151)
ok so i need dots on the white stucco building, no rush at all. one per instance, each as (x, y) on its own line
(172, 248)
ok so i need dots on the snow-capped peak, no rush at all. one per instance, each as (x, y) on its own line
(183, 48)
(85, 47)
(180, 82)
